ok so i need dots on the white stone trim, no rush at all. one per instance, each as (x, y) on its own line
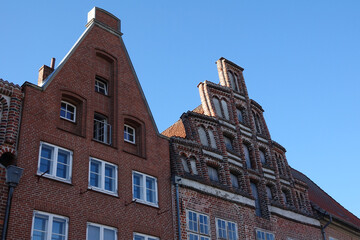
(268, 170)
(227, 124)
(233, 156)
(235, 163)
(212, 154)
(285, 182)
(215, 191)
(269, 176)
(246, 133)
(262, 139)
(239, 96)
(245, 128)
(294, 216)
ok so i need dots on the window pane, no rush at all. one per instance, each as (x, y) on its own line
(150, 190)
(262, 157)
(109, 234)
(137, 237)
(40, 228)
(192, 218)
(232, 231)
(268, 192)
(247, 156)
(203, 137)
(193, 237)
(228, 143)
(93, 232)
(137, 179)
(109, 177)
(256, 196)
(239, 115)
(204, 224)
(221, 229)
(46, 159)
(225, 109)
(212, 139)
(217, 107)
(95, 167)
(184, 164)
(213, 174)
(62, 164)
(234, 180)
(193, 166)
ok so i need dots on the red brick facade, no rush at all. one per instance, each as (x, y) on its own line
(227, 167)
(97, 78)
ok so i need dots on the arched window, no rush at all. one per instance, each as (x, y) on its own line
(233, 81)
(185, 164)
(258, 124)
(212, 139)
(193, 166)
(203, 137)
(228, 143)
(247, 156)
(217, 107)
(262, 157)
(240, 116)
(225, 109)
(255, 194)
(234, 180)
(213, 174)
(269, 192)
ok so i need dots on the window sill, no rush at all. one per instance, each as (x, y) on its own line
(103, 143)
(51, 177)
(68, 120)
(145, 202)
(95, 189)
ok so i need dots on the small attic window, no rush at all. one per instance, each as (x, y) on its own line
(67, 111)
(101, 86)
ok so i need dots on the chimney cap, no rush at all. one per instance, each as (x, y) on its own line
(104, 17)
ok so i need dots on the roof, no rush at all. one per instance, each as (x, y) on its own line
(177, 129)
(324, 201)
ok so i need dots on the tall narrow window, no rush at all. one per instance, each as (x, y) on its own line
(193, 166)
(48, 226)
(269, 193)
(225, 109)
(184, 164)
(212, 139)
(247, 156)
(234, 181)
(213, 174)
(68, 111)
(103, 176)
(102, 130)
(262, 157)
(101, 86)
(129, 134)
(217, 107)
(203, 137)
(228, 143)
(257, 200)
(240, 116)
(145, 189)
(55, 162)
(233, 81)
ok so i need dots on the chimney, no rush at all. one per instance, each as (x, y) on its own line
(45, 71)
(104, 18)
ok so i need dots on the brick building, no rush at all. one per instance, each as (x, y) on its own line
(231, 180)
(10, 111)
(95, 166)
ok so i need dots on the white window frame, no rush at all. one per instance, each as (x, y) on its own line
(198, 233)
(143, 188)
(106, 129)
(102, 228)
(227, 228)
(97, 87)
(54, 160)
(49, 224)
(146, 237)
(126, 127)
(102, 177)
(66, 111)
(266, 234)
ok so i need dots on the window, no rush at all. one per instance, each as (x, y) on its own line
(100, 232)
(213, 174)
(102, 130)
(193, 165)
(263, 235)
(103, 176)
(48, 226)
(262, 157)
(139, 236)
(228, 143)
(240, 116)
(286, 196)
(225, 109)
(226, 230)
(68, 111)
(257, 123)
(217, 107)
(184, 164)
(101, 86)
(233, 81)
(234, 180)
(198, 226)
(269, 193)
(145, 188)
(55, 162)
(257, 200)
(247, 156)
(203, 137)
(129, 134)
(212, 139)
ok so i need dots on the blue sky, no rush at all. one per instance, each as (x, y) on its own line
(301, 61)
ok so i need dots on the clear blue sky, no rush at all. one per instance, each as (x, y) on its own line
(301, 61)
